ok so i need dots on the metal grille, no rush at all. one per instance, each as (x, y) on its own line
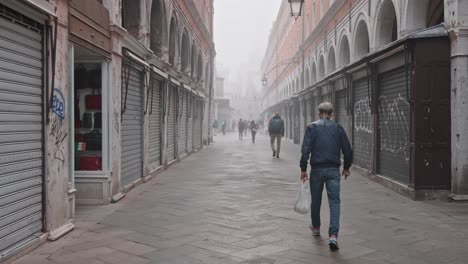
(171, 123)
(198, 125)
(362, 125)
(132, 124)
(340, 112)
(155, 122)
(394, 116)
(21, 136)
(183, 122)
(190, 123)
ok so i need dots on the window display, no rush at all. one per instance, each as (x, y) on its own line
(88, 117)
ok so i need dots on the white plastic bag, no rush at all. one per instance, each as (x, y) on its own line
(302, 205)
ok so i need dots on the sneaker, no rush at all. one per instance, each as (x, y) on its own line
(277, 156)
(315, 230)
(274, 154)
(333, 243)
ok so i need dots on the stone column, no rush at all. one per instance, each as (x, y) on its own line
(456, 19)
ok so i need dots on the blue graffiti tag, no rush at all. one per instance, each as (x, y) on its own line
(58, 104)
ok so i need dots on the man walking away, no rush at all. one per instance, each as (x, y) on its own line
(276, 131)
(215, 128)
(240, 127)
(323, 141)
(253, 129)
(223, 127)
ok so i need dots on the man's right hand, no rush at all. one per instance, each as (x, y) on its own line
(304, 176)
(346, 174)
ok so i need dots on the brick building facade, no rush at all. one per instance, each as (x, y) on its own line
(97, 96)
(375, 61)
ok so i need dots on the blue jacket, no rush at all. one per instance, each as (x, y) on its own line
(323, 141)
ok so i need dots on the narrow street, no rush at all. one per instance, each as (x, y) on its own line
(232, 203)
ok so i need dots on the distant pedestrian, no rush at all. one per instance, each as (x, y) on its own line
(276, 131)
(323, 141)
(215, 128)
(223, 127)
(233, 125)
(240, 127)
(253, 129)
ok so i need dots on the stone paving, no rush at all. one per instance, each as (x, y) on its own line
(232, 203)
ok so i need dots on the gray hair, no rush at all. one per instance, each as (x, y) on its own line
(325, 108)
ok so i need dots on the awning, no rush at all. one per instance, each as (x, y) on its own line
(159, 72)
(135, 58)
(44, 6)
(174, 81)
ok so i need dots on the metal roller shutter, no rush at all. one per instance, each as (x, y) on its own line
(362, 138)
(21, 135)
(340, 113)
(132, 123)
(309, 111)
(183, 122)
(394, 118)
(198, 125)
(190, 123)
(155, 121)
(297, 125)
(171, 125)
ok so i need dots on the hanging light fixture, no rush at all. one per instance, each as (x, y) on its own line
(296, 7)
(264, 80)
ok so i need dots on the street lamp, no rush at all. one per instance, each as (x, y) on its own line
(264, 80)
(296, 7)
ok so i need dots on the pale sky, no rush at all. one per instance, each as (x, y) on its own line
(241, 33)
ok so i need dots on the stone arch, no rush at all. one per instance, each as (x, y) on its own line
(131, 16)
(185, 52)
(361, 40)
(422, 14)
(331, 60)
(207, 76)
(435, 15)
(313, 74)
(307, 78)
(321, 68)
(193, 61)
(386, 24)
(199, 75)
(302, 82)
(344, 52)
(173, 41)
(158, 28)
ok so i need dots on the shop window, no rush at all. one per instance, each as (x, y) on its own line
(88, 116)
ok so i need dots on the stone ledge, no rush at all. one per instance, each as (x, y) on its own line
(61, 231)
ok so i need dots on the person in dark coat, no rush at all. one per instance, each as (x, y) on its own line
(253, 129)
(276, 131)
(240, 127)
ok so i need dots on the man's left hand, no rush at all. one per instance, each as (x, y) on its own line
(304, 176)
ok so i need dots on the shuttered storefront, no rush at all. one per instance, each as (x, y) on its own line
(190, 115)
(182, 122)
(309, 111)
(290, 122)
(198, 124)
(155, 121)
(132, 122)
(171, 124)
(393, 124)
(21, 135)
(362, 139)
(341, 113)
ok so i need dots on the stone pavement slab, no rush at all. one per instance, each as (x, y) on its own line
(232, 203)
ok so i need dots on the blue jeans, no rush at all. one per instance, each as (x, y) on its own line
(330, 177)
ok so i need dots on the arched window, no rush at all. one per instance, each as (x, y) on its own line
(131, 16)
(386, 28)
(361, 40)
(199, 67)
(344, 55)
(331, 66)
(313, 74)
(321, 69)
(158, 28)
(185, 53)
(307, 78)
(193, 62)
(173, 41)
